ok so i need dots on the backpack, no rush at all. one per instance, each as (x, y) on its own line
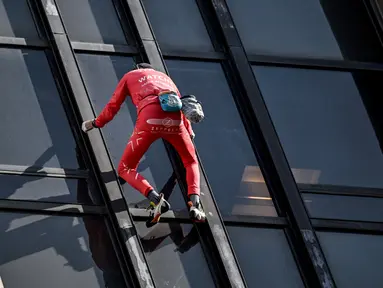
(192, 108)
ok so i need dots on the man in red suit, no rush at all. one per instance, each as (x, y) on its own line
(144, 85)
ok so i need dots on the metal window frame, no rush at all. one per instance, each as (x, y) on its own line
(356, 227)
(216, 36)
(230, 273)
(341, 190)
(225, 39)
(47, 172)
(281, 224)
(41, 207)
(289, 193)
(335, 65)
(216, 57)
(252, 131)
(325, 65)
(256, 221)
(64, 210)
(55, 208)
(219, 57)
(195, 56)
(99, 48)
(313, 63)
(43, 171)
(71, 76)
(22, 43)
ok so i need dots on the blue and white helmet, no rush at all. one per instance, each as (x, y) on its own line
(192, 108)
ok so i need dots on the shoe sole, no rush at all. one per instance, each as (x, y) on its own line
(157, 218)
(152, 222)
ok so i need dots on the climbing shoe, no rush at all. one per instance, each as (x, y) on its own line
(156, 210)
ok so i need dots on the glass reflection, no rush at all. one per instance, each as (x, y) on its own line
(177, 246)
(354, 259)
(184, 30)
(265, 257)
(227, 156)
(49, 251)
(328, 123)
(307, 28)
(344, 207)
(91, 21)
(16, 20)
(49, 189)
(34, 126)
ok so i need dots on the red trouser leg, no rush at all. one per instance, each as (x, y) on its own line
(185, 148)
(152, 124)
(138, 144)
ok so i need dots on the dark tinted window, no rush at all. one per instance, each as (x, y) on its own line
(174, 255)
(101, 74)
(265, 257)
(354, 259)
(16, 19)
(344, 207)
(47, 189)
(35, 130)
(178, 25)
(91, 21)
(47, 251)
(222, 142)
(306, 28)
(323, 125)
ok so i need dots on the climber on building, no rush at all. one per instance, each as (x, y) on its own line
(161, 113)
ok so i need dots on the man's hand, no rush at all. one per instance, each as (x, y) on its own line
(192, 136)
(88, 125)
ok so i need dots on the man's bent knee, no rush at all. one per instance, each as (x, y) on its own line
(122, 168)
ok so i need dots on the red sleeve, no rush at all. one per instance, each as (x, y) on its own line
(114, 105)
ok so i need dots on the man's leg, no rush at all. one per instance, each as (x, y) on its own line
(138, 144)
(185, 148)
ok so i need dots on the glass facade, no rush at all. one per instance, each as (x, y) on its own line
(290, 150)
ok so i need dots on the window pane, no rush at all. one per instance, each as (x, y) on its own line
(306, 28)
(235, 176)
(354, 259)
(323, 125)
(34, 125)
(265, 257)
(16, 20)
(101, 74)
(344, 207)
(93, 21)
(178, 25)
(174, 255)
(48, 251)
(48, 189)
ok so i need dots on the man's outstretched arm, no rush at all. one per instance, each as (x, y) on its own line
(110, 110)
(114, 104)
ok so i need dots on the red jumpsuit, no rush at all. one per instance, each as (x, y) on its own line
(143, 86)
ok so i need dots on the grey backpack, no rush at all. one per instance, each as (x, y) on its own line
(192, 108)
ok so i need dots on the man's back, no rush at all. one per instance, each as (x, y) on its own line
(145, 82)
